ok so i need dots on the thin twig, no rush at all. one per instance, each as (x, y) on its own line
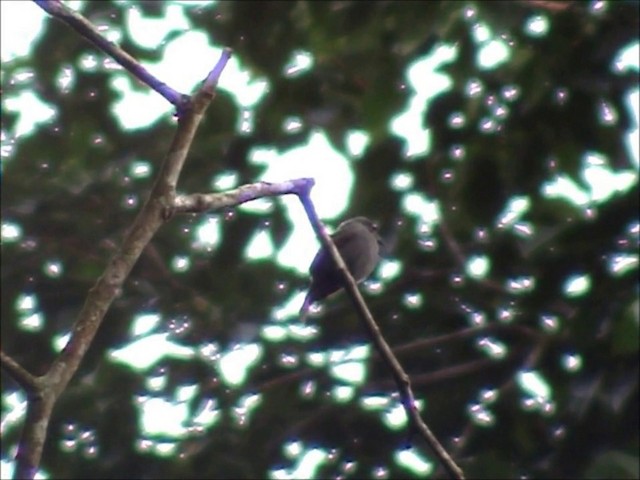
(211, 82)
(27, 381)
(85, 28)
(431, 343)
(202, 202)
(399, 375)
(529, 363)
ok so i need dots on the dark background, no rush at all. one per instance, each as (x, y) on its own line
(66, 192)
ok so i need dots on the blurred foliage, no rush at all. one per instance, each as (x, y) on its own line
(69, 187)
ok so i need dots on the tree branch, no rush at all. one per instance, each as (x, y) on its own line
(202, 202)
(163, 200)
(400, 376)
(23, 378)
(85, 28)
(44, 391)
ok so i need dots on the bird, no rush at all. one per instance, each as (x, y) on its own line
(359, 244)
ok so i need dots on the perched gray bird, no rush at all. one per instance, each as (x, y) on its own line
(359, 244)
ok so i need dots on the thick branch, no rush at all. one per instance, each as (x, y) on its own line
(399, 375)
(34, 433)
(109, 285)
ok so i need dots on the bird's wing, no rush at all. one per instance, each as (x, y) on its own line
(340, 242)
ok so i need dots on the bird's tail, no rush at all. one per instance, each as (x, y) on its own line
(306, 306)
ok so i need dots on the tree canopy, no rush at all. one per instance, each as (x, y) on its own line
(508, 290)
